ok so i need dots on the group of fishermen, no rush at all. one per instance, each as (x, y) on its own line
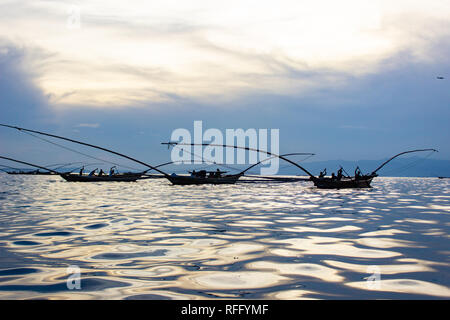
(358, 174)
(202, 174)
(112, 172)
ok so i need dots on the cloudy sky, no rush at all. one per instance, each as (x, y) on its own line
(349, 79)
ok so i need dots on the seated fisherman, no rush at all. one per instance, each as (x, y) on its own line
(357, 173)
(339, 174)
(323, 173)
(111, 171)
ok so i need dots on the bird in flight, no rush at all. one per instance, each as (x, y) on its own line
(440, 78)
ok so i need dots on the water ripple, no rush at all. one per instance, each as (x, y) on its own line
(151, 240)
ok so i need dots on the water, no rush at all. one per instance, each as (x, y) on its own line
(152, 240)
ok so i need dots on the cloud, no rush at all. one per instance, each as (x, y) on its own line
(20, 97)
(154, 66)
(146, 53)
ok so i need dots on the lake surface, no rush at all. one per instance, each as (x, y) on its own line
(152, 240)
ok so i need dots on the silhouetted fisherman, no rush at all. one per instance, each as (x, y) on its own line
(92, 172)
(339, 174)
(111, 171)
(357, 173)
(323, 173)
(100, 173)
(81, 171)
(333, 176)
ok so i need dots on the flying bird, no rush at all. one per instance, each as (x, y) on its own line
(440, 78)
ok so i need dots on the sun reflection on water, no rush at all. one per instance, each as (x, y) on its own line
(151, 240)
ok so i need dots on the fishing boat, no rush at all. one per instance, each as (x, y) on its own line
(28, 172)
(118, 177)
(344, 182)
(362, 181)
(174, 179)
(34, 172)
(29, 164)
(123, 177)
(359, 181)
(105, 178)
(204, 177)
(215, 177)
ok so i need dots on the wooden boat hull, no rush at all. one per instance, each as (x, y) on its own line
(328, 183)
(189, 180)
(32, 173)
(114, 178)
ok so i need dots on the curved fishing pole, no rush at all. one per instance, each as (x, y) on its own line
(302, 160)
(242, 172)
(392, 158)
(30, 164)
(243, 148)
(89, 145)
(65, 165)
(252, 166)
(78, 152)
(275, 156)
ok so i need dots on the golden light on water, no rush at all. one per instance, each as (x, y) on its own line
(173, 242)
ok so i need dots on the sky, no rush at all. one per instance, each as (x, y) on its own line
(350, 79)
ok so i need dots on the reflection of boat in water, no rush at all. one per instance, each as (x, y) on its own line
(128, 177)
